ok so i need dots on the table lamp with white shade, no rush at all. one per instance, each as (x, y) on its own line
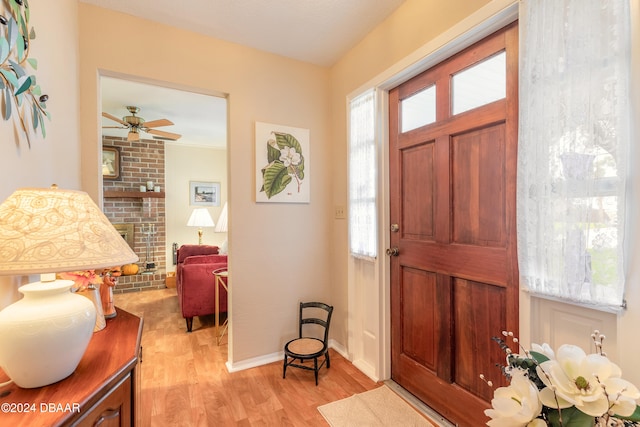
(221, 227)
(44, 335)
(200, 217)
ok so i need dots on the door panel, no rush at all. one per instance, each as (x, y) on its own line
(476, 354)
(418, 216)
(454, 284)
(419, 311)
(478, 188)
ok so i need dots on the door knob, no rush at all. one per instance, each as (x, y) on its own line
(393, 251)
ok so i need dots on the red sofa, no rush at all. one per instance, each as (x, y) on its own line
(195, 281)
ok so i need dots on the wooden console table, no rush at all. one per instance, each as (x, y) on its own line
(104, 389)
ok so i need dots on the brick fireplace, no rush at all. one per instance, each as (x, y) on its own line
(139, 215)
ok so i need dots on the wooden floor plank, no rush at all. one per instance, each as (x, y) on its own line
(185, 381)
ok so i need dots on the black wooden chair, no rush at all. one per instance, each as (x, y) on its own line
(306, 347)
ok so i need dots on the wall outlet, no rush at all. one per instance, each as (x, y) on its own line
(341, 212)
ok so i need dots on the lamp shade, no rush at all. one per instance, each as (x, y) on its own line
(200, 217)
(44, 335)
(54, 230)
(221, 225)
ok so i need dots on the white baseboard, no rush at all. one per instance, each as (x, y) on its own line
(255, 361)
(340, 349)
(366, 369)
(276, 357)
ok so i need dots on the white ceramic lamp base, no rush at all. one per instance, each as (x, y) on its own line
(44, 335)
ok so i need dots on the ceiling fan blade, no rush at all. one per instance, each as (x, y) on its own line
(133, 136)
(163, 134)
(156, 123)
(115, 119)
(114, 127)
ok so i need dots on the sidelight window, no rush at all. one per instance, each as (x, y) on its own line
(362, 177)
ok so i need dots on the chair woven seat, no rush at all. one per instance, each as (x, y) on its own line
(305, 347)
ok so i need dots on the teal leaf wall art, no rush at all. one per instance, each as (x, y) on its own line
(282, 164)
(20, 93)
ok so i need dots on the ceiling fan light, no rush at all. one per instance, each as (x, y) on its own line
(133, 135)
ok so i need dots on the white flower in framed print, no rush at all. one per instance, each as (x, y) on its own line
(282, 164)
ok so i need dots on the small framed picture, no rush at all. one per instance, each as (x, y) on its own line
(110, 163)
(204, 193)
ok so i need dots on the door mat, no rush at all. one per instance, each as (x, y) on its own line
(378, 407)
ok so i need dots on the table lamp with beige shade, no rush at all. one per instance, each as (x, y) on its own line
(200, 217)
(44, 335)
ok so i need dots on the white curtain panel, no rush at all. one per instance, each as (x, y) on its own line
(362, 177)
(573, 148)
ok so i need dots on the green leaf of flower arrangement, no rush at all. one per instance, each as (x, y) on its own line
(633, 417)
(539, 357)
(275, 179)
(571, 417)
(33, 62)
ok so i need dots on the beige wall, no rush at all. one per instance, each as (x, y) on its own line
(184, 164)
(56, 158)
(279, 253)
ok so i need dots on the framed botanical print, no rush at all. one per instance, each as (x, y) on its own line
(110, 163)
(282, 164)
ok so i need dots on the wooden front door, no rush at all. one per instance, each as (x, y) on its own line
(454, 279)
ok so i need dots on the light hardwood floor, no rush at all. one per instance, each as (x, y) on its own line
(185, 381)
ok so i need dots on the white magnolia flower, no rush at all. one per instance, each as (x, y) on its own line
(517, 405)
(289, 156)
(581, 380)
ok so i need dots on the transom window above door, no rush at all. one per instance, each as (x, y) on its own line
(473, 87)
(418, 109)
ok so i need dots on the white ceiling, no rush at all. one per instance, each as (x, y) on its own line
(315, 31)
(200, 119)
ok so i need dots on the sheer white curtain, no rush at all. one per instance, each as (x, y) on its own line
(363, 220)
(573, 148)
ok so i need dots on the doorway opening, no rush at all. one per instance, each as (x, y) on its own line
(148, 180)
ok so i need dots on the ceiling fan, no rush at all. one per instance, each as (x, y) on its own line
(137, 124)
